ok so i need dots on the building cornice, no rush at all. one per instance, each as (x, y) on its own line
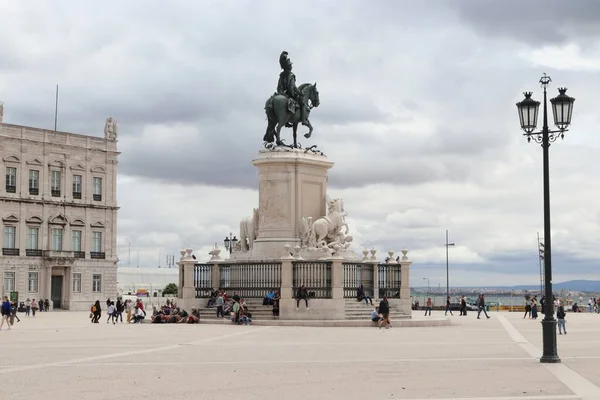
(57, 203)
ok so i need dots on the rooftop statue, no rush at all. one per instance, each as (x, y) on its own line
(290, 105)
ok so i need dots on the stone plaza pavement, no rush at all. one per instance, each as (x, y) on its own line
(60, 355)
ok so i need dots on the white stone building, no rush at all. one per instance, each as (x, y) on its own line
(133, 280)
(58, 207)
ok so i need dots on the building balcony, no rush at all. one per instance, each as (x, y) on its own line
(77, 195)
(97, 255)
(11, 252)
(11, 189)
(58, 254)
(34, 191)
(33, 253)
(79, 254)
(55, 193)
(97, 197)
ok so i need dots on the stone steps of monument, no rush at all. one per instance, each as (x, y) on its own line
(259, 312)
(359, 310)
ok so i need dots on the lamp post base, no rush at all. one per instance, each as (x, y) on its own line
(550, 355)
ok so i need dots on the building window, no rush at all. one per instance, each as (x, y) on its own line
(97, 189)
(32, 238)
(34, 182)
(97, 242)
(57, 239)
(77, 186)
(32, 282)
(76, 240)
(32, 250)
(11, 180)
(96, 283)
(76, 283)
(9, 237)
(9, 282)
(56, 178)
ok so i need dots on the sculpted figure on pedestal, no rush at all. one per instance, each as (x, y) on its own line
(290, 105)
(326, 231)
(110, 129)
(248, 231)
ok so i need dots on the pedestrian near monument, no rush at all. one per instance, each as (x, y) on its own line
(560, 318)
(448, 306)
(428, 306)
(34, 307)
(302, 295)
(384, 310)
(481, 306)
(27, 307)
(5, 310)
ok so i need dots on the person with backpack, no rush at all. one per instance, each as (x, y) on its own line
(5, 310)
(560, 317)
(96, 312)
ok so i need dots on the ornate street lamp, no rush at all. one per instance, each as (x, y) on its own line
(562, 108)
(230, 242)
(447, 269)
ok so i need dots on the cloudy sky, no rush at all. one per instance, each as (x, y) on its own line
(417, 111)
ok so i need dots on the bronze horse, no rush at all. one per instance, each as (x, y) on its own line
(279, 115)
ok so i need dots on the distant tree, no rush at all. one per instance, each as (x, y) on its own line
(171, 288)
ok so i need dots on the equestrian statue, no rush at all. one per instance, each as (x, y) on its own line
(290, 105)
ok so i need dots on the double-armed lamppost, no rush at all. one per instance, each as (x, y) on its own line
(562, 109)
(447, 269)
(230, 242)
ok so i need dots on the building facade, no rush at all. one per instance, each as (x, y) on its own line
(58, 207)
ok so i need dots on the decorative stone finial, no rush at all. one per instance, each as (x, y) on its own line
(182, 252)
(404, 252)
(373, 252)
(297, 250)
(391, 259)
(365, 254)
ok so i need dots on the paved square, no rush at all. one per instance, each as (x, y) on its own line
(61, 355)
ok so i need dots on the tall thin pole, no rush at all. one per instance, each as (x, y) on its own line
(540, 262)
(56, 109)
(447, 269)
(550, 354)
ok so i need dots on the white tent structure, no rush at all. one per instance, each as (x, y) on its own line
(134, 280)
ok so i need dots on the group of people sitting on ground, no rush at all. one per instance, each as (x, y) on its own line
(135, 312)
(171, 314)
(235, 307)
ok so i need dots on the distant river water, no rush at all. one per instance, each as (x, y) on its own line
(490, 299)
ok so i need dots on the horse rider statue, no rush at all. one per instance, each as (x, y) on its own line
(287, 86)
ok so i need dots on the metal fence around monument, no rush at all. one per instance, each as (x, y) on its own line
(389, 277)
(356, 274)
(203, 280)
(250, 280)
(315, 276)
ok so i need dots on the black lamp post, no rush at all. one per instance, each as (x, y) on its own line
(562, 109)
(230, 242)
(447, 269)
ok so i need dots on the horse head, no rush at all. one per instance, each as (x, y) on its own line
(314, 98)
(310, 92)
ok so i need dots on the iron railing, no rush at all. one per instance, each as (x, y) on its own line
(79, 254)
(11, 189)
(10, 252)
(33, 253)
(97, 255)
(203, 280)
(315, 276)
(250, 280)
(356, 274)
(389, 277)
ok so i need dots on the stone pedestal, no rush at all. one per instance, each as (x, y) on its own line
(292, 185)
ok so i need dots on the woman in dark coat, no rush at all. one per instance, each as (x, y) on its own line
(97, 312)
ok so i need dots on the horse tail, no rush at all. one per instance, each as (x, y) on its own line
(270, 132)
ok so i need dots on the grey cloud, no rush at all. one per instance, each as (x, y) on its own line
(534, 23)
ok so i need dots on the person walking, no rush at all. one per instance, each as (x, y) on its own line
(5, 310)
(34, 307)
(481, 306)
(463, 305)
(27, 307)
(448, 306)
(428, 306)
(560, 318)
(527, 308)
(119, 307)
(97, 312)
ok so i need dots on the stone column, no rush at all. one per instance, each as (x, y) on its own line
(286, 277)
(291, 185)
(216, 275)
(188, 291)
(405, 282)
(375, 266)
(49, 284)
(337, 277)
